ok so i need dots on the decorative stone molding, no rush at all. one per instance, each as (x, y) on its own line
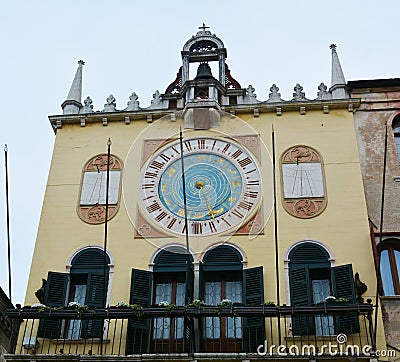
(305, 199)
(110, 105)
(127, 120)
(105, 121)
(298, 94)
(325, 109)
(133, 103)
(83, 121)
(96, 213)
(279, 111)
(302, 111)
(323, 93)
(88, 106)
(274, 96)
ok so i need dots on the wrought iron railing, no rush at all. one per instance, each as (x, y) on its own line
(263, 330)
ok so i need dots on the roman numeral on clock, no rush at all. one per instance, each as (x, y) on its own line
(161, 216)
(212, 227)
(251, 194)
(150, 174)
(147, 186)
(246, 205)
(244, 162)
(171, 223)
(153, 207)
(236, 154)
(197, 228)
(157, 165)
(201, 144)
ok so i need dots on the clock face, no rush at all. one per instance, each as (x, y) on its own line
(222, 182)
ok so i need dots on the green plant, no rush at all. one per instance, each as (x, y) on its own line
(137, 308)
(196, 303)
(270, 304)
(224, 303)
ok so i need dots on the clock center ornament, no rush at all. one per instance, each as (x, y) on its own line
(222, 182)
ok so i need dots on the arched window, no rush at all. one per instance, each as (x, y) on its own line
(396, 134)
(171, 282)
(303, 181)
(85, 285)
(312, 280)
(223, 277)
(390, 266)
(92, 199)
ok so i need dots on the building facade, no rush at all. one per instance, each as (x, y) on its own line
(377, 122)
(210, 225)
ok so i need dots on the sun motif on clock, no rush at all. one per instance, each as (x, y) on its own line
(222, 184)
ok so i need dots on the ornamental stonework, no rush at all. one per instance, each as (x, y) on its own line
(303, 182)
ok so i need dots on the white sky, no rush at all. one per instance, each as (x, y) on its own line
(135, 46)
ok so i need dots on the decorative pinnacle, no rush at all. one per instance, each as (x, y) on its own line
(204, 27)
(333, 47)
(81, 62)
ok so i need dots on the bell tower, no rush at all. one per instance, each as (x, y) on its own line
(203, 48)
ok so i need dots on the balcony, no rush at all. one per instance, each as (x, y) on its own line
(195, 333)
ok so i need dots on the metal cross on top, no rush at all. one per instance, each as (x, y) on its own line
(204, 27)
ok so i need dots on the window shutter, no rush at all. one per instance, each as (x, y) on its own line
(300, 295)
(343, 287)
(54, 296)
(94, 298)
(254, 327)
(138, 334)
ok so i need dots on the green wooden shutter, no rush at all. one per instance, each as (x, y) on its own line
(254, 327)
(188, 342)
(94, 298)
(300, 295)
(138, 334)
(343, 287)
(54, 296)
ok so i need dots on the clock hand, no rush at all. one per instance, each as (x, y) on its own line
(211, 212)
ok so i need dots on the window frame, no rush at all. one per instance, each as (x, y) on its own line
(391, 246)
(396, 136)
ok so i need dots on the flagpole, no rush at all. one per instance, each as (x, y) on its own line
(184, 192)
(8, 225)
(276, 233)
(378, 270)
(106, 224)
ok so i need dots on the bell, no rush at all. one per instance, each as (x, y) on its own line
(204, 71)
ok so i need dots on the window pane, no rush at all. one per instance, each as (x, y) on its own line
(94, 188)
(386, 274)
(180, 300)
(397, 258)
(234, 291)
(162, 326)
(302, 180)
(212, 297)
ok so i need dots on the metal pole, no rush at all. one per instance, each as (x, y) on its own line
(184, 191)
(8, 225)
(105, 284)
(378, 269)
(276, 234)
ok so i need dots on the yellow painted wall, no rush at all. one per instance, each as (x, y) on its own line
(342, 227)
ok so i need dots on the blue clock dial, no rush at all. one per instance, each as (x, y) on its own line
(223, 186)
(213, 186)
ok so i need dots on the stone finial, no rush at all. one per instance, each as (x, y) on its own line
(110, 105)
(156, 102)
(250, 97)
(73, 104)
(274, 96)
(298, 94)
(88, 106)
(133, 103)
(338, 81)
(323, 93)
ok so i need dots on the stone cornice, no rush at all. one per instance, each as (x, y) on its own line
(57, 121)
